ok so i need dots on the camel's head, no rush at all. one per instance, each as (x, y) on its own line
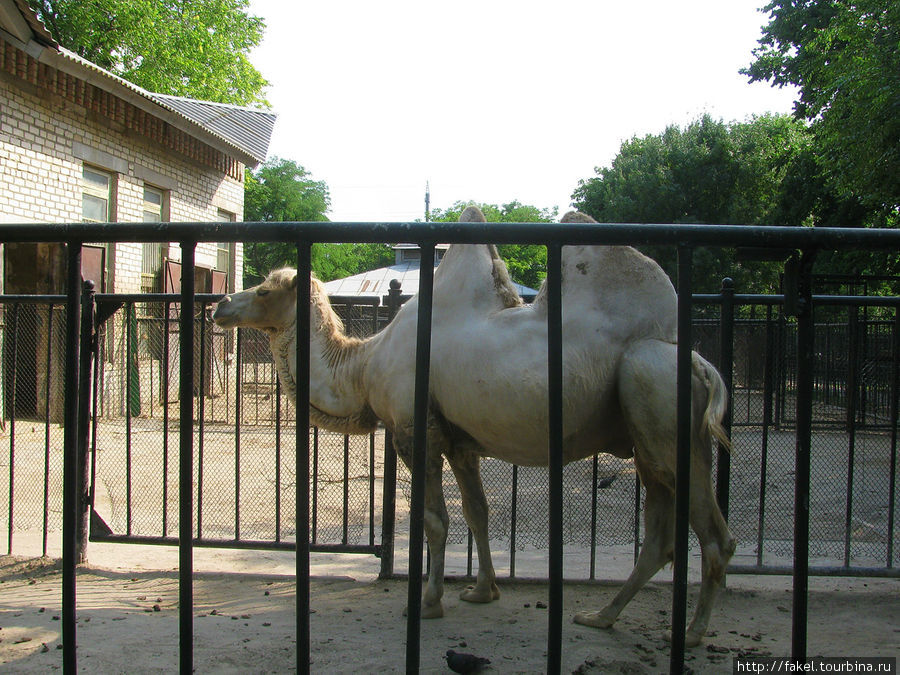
(270, 307)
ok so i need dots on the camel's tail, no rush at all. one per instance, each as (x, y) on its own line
(716, 400)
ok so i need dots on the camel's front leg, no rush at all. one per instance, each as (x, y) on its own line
(436, 520)
(437, 523)
(466, 467)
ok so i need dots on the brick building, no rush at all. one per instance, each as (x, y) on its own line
(78, 143)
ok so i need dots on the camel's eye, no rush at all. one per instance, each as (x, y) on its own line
(262, 291)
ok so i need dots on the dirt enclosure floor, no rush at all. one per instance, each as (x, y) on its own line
(244, 619)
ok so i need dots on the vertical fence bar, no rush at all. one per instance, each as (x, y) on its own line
(895, 395)
(768, 377)
(237, 450)
(48, 364)
(164, 385)
(345, 515)
(513, 521)
(419, 463)
(852, 390)
(13, 348)
(70, 455)
(726, 368)
(302, 455)
(277, 458)
(186, 462)
(555, 453)
(805, 363)
(389, 487)
(129, 317)
(84, 502)
(315, 483)
(95, 378)
(388, 507)
(682, 477)
(595, 465)
(371, 489)
(199, 379)
(238, 385)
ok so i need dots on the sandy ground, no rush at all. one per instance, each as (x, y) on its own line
(245, 616)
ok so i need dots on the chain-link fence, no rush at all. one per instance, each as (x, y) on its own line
(244, 445)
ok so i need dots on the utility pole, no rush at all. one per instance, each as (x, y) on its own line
(427, 202)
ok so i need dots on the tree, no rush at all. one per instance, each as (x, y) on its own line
(708, 172)
(527, 264)
(281, 190)
(844, 57)
(194, 48)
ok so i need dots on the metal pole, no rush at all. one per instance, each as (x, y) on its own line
(895, 393)
(852, 388)
(513, 507)
(805, 359)
(555, 454)
(186, 462)
(419, 463)
(70, 456)
(13, 348)
(726, 368)
(49, 367)
(302, 454)
(277, 459)
(129, 317)
(768, 386)
(389, 487)
(201, 415)
(84, 422)
(165, 392)
(683, 474)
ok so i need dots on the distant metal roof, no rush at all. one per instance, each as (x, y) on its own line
(376, 283)
(248, 128)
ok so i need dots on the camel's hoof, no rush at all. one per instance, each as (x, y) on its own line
(435, 611)
(690, 639)
(594, 619)
(474, 594)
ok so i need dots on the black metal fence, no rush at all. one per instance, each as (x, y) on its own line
(774, 396)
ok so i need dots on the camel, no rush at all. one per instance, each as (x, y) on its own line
(488, 393)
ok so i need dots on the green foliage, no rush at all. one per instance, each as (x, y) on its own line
(845, 59)
(527, 264)
(193, 48)
(281, 190)
(708, 172)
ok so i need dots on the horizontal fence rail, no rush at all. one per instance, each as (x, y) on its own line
(426, 235)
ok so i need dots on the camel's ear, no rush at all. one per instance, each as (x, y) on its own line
(577, 217)
(472, 214)
(294, 280)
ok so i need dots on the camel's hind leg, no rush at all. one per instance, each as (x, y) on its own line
(647, 383)
(466, 468)
(659, 526)
(716, 545)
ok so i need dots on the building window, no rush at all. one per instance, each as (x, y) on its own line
(152, 259)
(96, 196)
(225, 256)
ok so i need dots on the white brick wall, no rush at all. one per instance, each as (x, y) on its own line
(44, 143)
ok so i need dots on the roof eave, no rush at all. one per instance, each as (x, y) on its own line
(74, 65)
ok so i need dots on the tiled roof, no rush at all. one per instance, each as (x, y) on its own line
(248, 128)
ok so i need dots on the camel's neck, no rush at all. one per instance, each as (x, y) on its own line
(335, 393)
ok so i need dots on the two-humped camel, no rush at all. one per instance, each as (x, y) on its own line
(489, 397)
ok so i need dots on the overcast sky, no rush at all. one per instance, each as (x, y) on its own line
(493, 100)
